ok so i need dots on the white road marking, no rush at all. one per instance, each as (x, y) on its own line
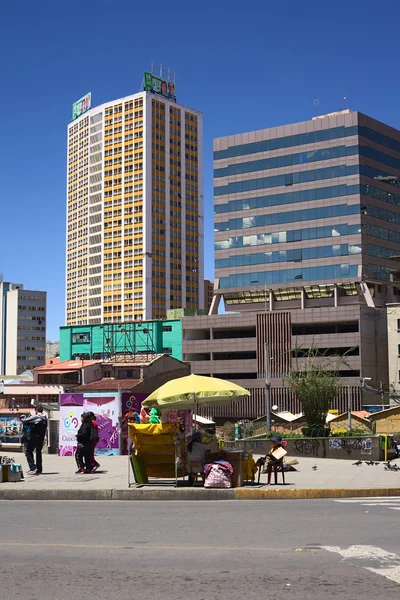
(366, 499)
(390, 502)
(389, 561)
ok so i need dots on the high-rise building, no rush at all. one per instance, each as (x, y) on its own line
(22, 328)
(307, 248)
(308, 214)
(208, 293)
(134, 210)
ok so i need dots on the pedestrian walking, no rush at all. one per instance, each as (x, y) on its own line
(83, 454)
(94, 439)
(38, 427)
(26, 434)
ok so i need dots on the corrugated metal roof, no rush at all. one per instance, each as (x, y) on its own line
(106, 385)
(65, 366)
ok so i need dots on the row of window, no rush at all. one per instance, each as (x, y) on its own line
(327, 272)
(308, 138)
(298, 254)
(380, 232)
(301, 177)
(277, 162)
(306, 157)
(333, 191)
(286, 142)
(297, 235)
(324, 212)
(287, 179)
(301, 254)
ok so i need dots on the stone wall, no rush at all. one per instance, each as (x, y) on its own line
(349, 448)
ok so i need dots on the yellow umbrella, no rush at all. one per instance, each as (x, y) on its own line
(188, 393)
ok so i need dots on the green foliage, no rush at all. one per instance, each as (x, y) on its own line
(350, 433)
(228, 431)
(316, 385)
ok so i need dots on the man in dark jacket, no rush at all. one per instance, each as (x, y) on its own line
(38, 428)
(83, 454)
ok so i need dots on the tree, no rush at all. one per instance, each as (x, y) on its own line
(316, 385)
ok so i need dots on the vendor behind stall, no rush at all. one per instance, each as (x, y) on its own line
(196, 455)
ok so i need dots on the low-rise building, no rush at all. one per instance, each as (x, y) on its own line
(22, 328)
(113, 340)
(233, 346)
(359, 420)
(387, 421)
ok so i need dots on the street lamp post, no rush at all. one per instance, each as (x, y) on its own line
(268, 387)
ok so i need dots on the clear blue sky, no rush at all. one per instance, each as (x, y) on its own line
(245, 65)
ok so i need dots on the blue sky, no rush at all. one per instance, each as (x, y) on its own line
(245, 65)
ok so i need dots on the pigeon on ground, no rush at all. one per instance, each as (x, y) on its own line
(358, 463)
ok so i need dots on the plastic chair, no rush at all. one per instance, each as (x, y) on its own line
(276, 468)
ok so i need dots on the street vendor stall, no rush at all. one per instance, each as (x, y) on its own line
(189, 393)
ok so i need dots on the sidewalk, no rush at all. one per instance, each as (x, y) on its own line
(332, 479)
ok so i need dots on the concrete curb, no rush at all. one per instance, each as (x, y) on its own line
(312, 493)
(193, 494)
(110, 494)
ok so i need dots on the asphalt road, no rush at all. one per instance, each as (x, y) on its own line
(199, 550)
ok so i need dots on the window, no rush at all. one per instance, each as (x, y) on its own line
(81, 338)
(398, 324)
(287, 161)
(167, 328)
(292, 178)
(324, 212)
(167, 350)
(327, 272)
(287, 142)
(333, 191)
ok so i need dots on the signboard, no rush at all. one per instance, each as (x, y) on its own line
(131, 403)
(81, 106)
(155, 84)
(81, 338)
(71, 409)
(104, 406)
(10, 429)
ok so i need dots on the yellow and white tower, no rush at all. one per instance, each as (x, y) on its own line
(135, 232)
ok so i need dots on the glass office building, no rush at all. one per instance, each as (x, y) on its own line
(308, 214)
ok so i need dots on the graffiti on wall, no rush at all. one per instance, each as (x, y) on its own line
(307, 446)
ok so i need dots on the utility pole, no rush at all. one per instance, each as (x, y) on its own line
(268, 387)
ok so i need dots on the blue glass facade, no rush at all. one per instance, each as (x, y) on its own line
(333, 133)
(363, 180)
(310, 214)
(291, 276)
(299, 254)
(296, 235)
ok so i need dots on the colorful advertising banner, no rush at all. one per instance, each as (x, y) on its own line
(104, 406)
(81, 106)
(10, 429)
(131, 403)
(155, 84)
(71, 409)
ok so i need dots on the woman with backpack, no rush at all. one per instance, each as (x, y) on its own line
(83, 454)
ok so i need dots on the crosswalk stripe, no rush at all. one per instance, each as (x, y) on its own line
(389, 562)
(364, 499)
